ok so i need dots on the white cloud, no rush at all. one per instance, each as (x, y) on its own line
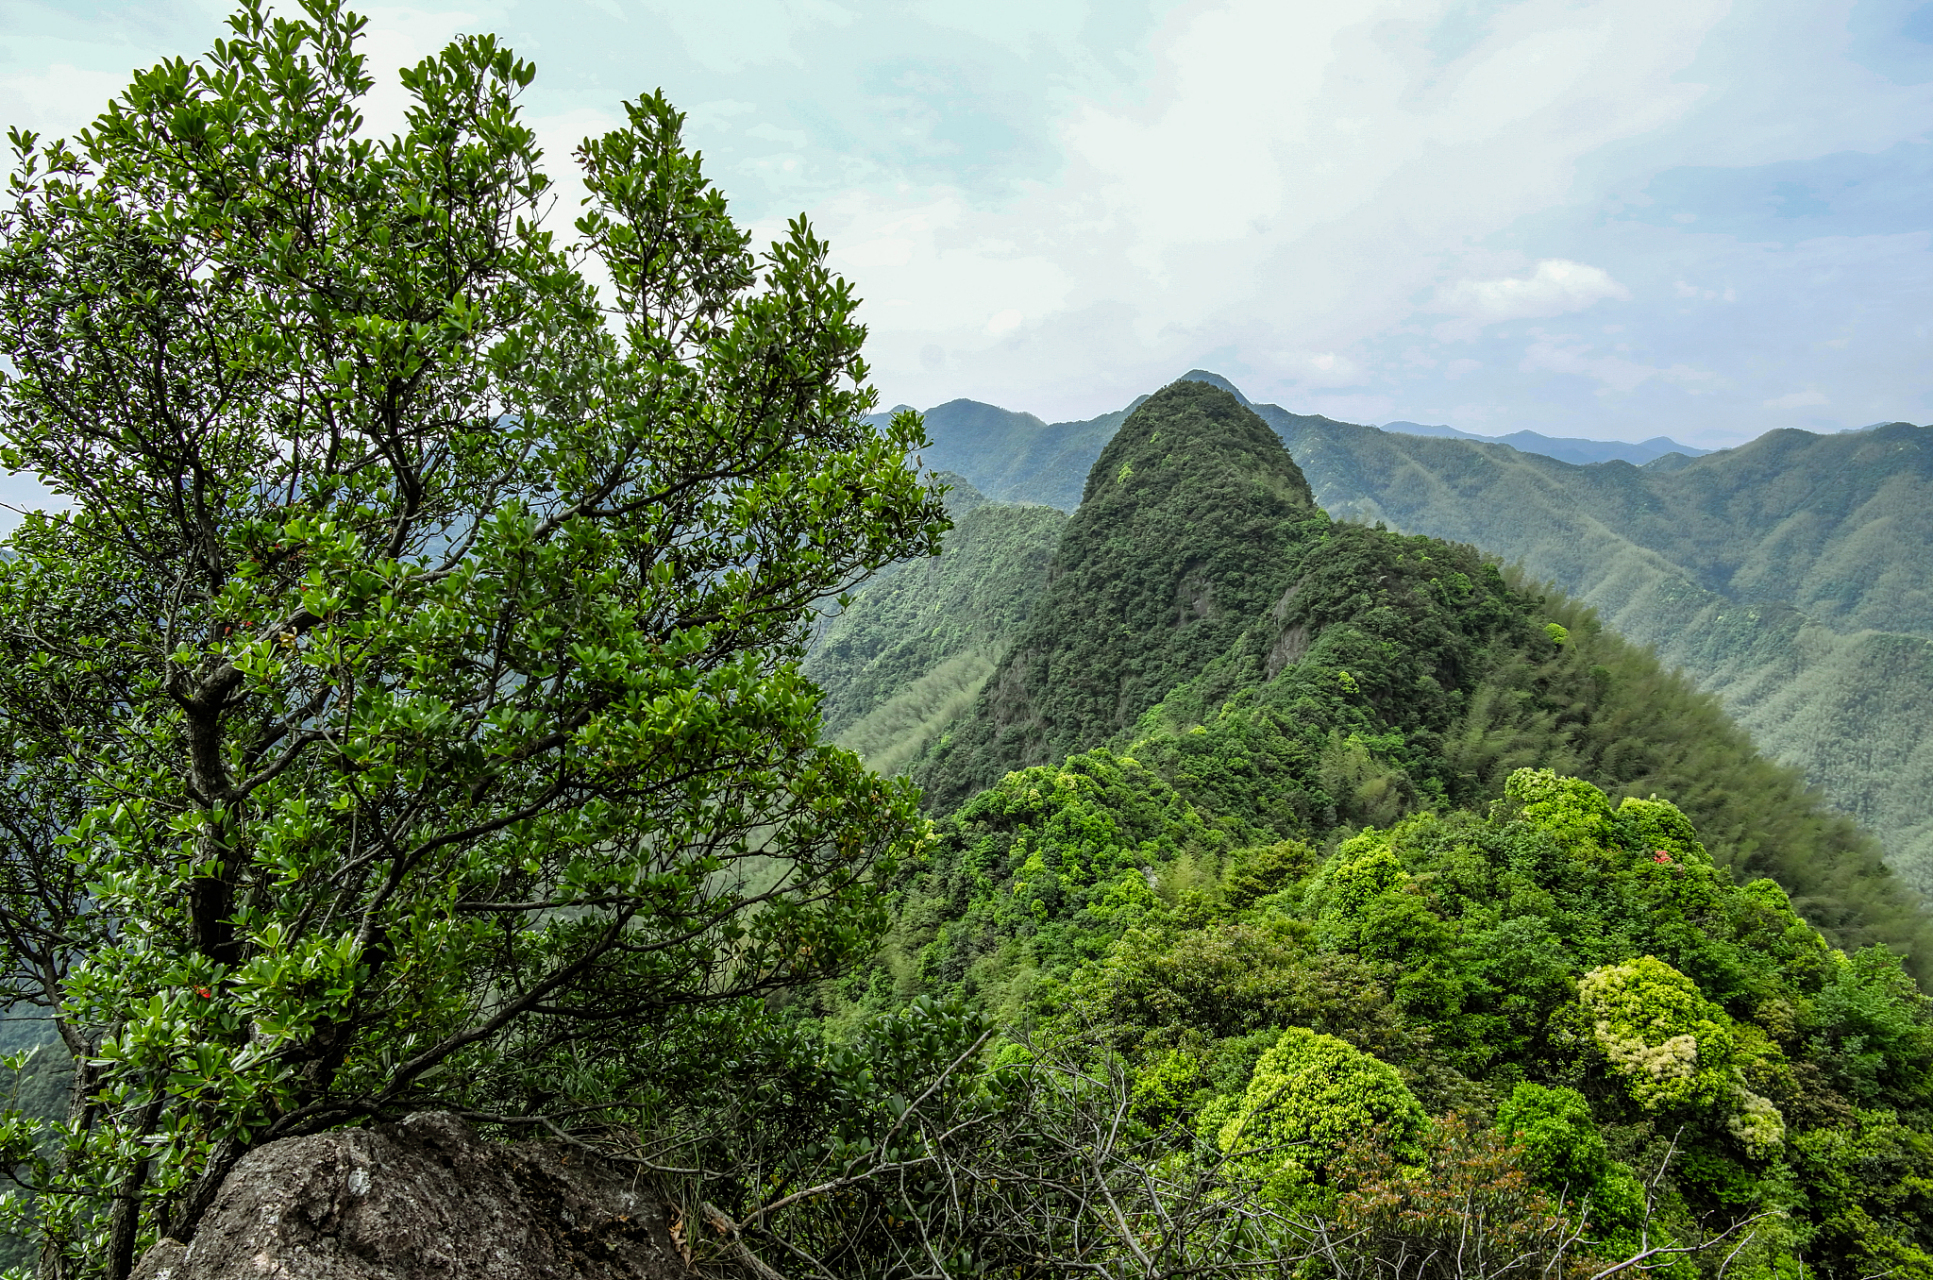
(1321, 369)
(1286, 181)
(399, 37)
(1315, 190)
(734, 37)
(1810, 399)
(59, 101)
(1557, 287)
(1562, 353)
(1693, 292)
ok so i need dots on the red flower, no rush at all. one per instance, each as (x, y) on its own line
(1661, 856)
(204, 993)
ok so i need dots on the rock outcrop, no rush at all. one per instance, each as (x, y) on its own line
(425, 1198)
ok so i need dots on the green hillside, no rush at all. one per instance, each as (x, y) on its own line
(914, 656)
(1850, 706)
(1015, 457)
(1343, 673)
(1833, 525)
(1789, 576)
(1171, 555)
(1420, 910)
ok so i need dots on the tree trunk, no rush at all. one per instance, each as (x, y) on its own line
(201, 1194)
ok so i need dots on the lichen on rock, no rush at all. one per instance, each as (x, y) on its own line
(426, 1197)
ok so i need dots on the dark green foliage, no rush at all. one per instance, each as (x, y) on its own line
(1098, 903)
(1604, 709)
(1345, 820)
(41, 1089)
(1755, 568)
(1069, 846)
(1176, 546)
(1335, 705)
(1373, 673)
(411, 684)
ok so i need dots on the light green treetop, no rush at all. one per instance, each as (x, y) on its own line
(1671, 1048)
(1309, 1097)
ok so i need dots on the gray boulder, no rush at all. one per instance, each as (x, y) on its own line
(425, 1199)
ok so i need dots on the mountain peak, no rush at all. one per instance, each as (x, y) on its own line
(1216, 380)
(1187, 429)
(1180, 542)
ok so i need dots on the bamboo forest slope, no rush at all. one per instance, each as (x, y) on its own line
(1835, 526)
(1850, 706)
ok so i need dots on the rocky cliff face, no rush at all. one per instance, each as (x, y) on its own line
(426, 1198)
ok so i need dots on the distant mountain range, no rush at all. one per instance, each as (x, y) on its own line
(1581, 452)
(1790, 575)
(1019, 457)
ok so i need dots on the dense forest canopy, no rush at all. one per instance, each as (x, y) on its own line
(1319, 672)
(405, 712)
(1417, 889)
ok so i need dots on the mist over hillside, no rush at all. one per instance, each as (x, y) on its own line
(1788, 576)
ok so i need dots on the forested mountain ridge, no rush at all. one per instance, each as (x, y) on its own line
(1201, 610)
(1424, 908)
(1688, 555)
(454, 755)
(1174, 549)
(1015, 457)
(1828, 524)
(1851, 706)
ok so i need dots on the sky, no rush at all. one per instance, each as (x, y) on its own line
(1613, 220)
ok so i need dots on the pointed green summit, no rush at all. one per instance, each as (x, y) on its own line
(1294, 674)
(1179, 542)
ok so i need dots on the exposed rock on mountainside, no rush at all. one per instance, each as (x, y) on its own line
(420, 1199)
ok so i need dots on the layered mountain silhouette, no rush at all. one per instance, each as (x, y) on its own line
(1564, 449)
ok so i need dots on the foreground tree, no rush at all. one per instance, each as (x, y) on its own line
(404, 711)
